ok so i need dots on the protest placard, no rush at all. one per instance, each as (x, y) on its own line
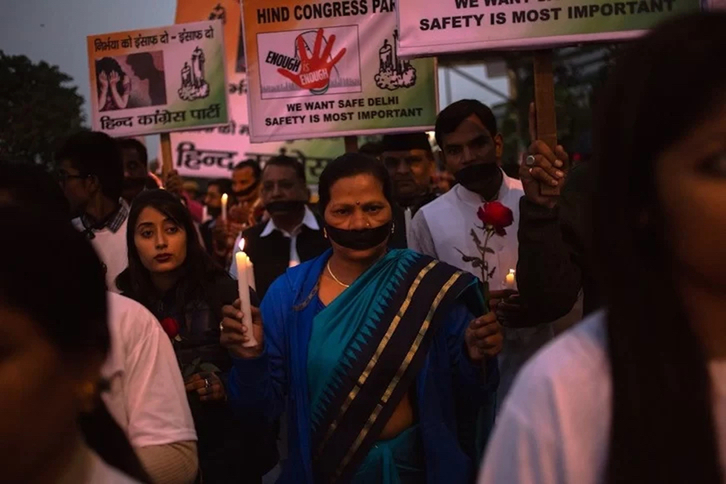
(446, 26)
(213, 152)
(332, 69)
(158, 80)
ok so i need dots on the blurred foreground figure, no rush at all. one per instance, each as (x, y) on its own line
(638, 393)
(55, 339)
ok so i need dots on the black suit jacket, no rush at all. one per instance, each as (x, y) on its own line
(271, 255)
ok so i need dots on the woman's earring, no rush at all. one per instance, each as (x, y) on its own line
(325, 233)
(393, 227)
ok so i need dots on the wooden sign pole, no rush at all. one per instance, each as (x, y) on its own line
(544, 102)
(351, 144)
(166, 158)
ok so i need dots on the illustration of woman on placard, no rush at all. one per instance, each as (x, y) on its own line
(113, 85)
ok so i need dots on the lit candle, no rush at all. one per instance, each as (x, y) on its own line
(224, 208)
(244, 274)
(510, 279)
(407, 222)
(251, 274)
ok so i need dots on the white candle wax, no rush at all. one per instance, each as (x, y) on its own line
(224, 207)
(243, 270)
(510, 279)
(251, 275)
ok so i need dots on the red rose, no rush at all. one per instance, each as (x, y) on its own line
(170, 326)
(496, 215)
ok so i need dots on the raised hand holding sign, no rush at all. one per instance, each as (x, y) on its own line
(314, 71)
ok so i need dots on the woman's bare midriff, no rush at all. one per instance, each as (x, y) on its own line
(402, 419)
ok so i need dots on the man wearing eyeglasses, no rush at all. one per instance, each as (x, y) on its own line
(91, 173)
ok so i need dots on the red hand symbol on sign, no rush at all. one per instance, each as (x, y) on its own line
(315, 70)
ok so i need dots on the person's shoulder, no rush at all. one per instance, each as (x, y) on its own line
(572, 367)
(254, 231)
(100, 472)
(441, 201)
(123, 306)
(513, 183)
(297, 280)
(129, 319)
(582, 348)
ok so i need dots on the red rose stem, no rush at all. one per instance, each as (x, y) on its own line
(544, 102)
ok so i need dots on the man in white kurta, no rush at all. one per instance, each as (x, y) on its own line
(467, 134)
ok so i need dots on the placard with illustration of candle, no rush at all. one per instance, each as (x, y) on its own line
(510, 279)
(244, 274)
(224, 207)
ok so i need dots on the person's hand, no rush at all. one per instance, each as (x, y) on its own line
(234, 333)
(511, 313)
(541, 167)
(239, 213)
(484, 338)
(237, 220)
(114, 78)
(496, 297)
(103, 79)
(318, 62)
(207, 385)
(174, 183)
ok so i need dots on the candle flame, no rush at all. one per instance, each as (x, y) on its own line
(224, 199)
(241, 245)
(511, 271)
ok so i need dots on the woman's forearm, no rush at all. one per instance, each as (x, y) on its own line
(175, 463)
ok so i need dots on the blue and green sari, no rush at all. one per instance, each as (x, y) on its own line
(365, 351)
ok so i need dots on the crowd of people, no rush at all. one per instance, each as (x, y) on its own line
(403, 330)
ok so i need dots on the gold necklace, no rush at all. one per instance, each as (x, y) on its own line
(333, 276)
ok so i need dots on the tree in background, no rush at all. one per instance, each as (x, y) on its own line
(38, 109)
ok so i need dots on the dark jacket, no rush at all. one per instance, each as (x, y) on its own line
(271, 255)
(553, 250)
(398, 238)
(230, 450)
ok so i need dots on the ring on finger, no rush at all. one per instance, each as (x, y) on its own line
(530, 160)
(221, 326)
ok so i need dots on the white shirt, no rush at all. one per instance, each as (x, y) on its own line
(102, 473)
(442, 228)
(309, 221)
(555, 424)
(111, 249)
(147, 396)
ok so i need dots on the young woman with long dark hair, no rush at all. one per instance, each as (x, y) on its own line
(637, 393)
(172, 275)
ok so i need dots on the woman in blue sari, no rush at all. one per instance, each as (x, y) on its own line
(373, 352)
